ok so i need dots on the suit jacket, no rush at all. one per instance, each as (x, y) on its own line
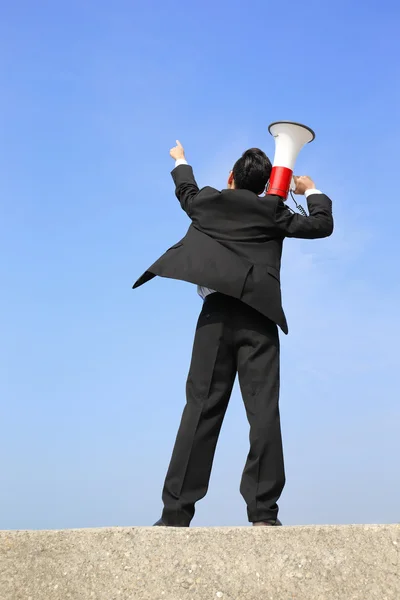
(234, 243)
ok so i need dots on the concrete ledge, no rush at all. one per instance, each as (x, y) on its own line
(287, 563)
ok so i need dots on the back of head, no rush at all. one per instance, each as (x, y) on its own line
(252, 171)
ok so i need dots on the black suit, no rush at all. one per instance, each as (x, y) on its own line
(233, 246)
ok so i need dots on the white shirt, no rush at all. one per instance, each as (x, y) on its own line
(205, 291)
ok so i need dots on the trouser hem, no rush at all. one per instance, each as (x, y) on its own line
(174, 518)
(265, 516)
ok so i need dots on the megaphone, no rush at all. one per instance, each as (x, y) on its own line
(289, 140)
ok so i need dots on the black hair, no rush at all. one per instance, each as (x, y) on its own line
(252, 171)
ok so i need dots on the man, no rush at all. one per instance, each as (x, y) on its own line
(232, 251)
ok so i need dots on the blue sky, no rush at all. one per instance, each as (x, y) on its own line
(92, 374)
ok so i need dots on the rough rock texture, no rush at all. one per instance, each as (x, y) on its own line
(286, 563)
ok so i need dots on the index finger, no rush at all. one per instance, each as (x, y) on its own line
(178, 143)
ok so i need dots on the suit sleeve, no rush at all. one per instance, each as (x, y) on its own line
(186, 188)
(318, 224)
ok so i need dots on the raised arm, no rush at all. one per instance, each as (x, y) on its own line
(318, 224)
(186, 187)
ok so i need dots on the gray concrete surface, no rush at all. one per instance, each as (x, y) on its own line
(287, 563)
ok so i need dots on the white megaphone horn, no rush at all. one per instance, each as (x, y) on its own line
(289, 140)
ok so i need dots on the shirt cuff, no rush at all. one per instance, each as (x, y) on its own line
(180, 161)
(313, 191)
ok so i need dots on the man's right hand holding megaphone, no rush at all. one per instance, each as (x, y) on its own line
(303, 183)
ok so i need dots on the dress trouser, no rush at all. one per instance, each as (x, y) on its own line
(230, 338)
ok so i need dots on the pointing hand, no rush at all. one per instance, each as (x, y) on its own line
(178, 151)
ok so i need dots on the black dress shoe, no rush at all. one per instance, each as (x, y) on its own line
(269, 522)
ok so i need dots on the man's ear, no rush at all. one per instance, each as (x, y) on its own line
(230, 178)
